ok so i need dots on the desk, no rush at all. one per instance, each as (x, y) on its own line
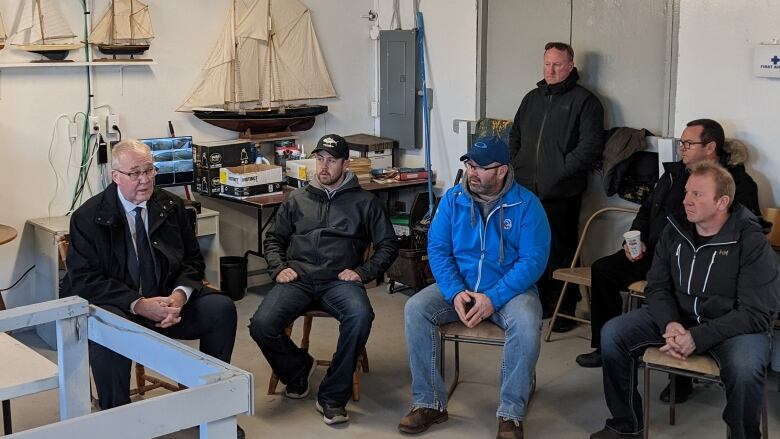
(47, 260)
(272, 201)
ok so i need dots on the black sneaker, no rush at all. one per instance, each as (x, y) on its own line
(592, 359)
(299, 387)
(332, 415)
(564, 325)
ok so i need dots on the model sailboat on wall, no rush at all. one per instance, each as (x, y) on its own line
(2, 33)
(266, 57)
(124, 29)
(41, 28)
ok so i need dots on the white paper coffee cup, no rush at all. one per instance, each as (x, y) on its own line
(634, 240)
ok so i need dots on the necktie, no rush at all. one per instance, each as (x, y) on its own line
(147, 276)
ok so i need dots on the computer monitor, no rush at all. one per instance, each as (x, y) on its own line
(173, 158)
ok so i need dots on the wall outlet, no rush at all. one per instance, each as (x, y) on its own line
(112, 120)
(94, 125)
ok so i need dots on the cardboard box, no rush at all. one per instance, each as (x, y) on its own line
(207, 181)
(380, 159)
(366, 143)
(250, 175)
(250, 191)
(303, 169)
(222, 153)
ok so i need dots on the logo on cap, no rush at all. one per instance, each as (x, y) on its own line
(330, 141)
(482, 145)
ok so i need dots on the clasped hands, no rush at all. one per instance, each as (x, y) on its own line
(472, 315)
(288, 275)
(679, 342)
(164, 311)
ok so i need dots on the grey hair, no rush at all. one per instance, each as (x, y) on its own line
(126, 146)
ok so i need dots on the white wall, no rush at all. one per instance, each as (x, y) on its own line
(715, 79)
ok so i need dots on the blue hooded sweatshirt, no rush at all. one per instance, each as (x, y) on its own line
(501, 255)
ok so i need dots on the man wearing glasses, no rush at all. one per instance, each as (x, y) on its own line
(557, 135)
(487, 246)
(133, 252)
(702, 140)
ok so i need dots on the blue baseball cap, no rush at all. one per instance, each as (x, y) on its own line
(487, 150)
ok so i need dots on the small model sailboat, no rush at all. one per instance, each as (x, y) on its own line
(2, 33)
(41, 28)
(124, 29)
(266, 57)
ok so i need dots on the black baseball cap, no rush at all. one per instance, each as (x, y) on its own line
(334, 145)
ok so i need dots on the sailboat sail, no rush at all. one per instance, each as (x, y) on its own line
(267, 53)
(42, 22)
(125, 22)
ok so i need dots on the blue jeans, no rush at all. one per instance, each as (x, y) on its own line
(521, 319)
(743, 362)
(346, 301)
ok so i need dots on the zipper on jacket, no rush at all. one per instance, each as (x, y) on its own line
(690, 273)
(706, 278)
(679, 268)
(482, 233)
(539, 143)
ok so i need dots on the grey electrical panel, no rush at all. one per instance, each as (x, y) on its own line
(399, 103)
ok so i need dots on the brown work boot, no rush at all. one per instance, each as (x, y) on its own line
(509, 429)
(421, 419)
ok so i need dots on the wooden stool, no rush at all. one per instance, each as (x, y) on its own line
(308, 317)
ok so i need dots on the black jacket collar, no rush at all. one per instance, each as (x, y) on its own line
(562, 87)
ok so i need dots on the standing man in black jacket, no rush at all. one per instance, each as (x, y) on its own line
(702, 140)
(557, 135)
(134, 253)
(315, 251)
(713, 288)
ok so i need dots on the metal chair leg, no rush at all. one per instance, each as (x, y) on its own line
(647, 403)
(7, 430)
(672, 396)
(555, 313)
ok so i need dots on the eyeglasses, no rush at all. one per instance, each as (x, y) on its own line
(687, 144)
(136, 175)
(472, 166)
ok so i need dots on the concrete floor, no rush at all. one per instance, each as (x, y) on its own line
(568, 402)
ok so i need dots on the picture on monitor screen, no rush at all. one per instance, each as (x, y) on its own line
(173, 159)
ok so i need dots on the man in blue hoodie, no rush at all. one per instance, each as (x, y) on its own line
(488, 245)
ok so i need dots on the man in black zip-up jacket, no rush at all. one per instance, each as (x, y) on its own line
(713, 288)
(557, 135)
(315, 251)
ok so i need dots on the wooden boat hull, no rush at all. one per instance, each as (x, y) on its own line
(299, 118)
(54, 52)
(122, 49)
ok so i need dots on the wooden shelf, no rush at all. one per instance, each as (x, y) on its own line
(117, 63)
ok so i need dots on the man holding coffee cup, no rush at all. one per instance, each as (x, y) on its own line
(702, 140)
(713, 289)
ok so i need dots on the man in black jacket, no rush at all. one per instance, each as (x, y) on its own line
(713, 288)
(134, 253)
(315, 250)
(557, 135)
(702, 140)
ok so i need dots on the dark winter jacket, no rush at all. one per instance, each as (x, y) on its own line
(319, 236)
(723, 288)
(557, 135)
(98, 252)
(667, 198)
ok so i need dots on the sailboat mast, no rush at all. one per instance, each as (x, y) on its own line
(40, 21)
(132, 38)
(234, 63)
(112, 34)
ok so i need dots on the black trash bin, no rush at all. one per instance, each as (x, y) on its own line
(233, 276)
